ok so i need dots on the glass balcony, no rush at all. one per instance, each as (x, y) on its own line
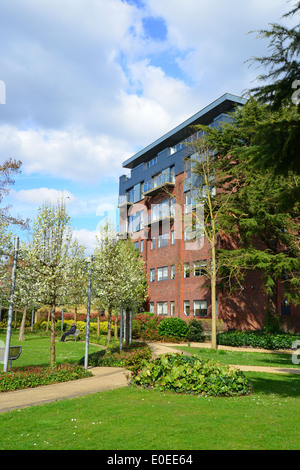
(161, 181)
(125, 199)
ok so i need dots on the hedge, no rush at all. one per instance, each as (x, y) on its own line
(257, 339)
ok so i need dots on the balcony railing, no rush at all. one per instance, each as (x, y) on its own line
(125, 199)
(162, 180)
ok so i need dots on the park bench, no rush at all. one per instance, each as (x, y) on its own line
(75, 335)
(14, 353)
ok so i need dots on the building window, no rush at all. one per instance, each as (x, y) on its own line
(199, 267)
(162, 308)
(163, 240)
(186, 270)
(200, 308)
(163, 210)
(151, 307)
(172, 273)
(136, 245)
(172, 309)
(130, 197)
(142, 246)
(151, 163)
(188, 203)
(152, 275)
(162, 273)
(153, 243)
(186, 307)
(137, 192)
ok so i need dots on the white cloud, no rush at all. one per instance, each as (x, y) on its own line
(40, 195)
(86, 87)
(68, 154)
(86, 238)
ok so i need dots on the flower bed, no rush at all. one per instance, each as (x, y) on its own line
(131, 357)
(30, 377)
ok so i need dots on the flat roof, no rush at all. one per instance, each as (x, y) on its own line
(206, 116)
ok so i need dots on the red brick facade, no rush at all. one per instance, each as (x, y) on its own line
(173, 289)
(243, 310)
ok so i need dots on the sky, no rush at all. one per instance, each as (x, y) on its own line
(85, 84)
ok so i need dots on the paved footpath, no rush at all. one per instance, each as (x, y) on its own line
(104, 378)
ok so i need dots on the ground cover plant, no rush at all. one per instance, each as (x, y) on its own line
(190, 375)
(130, 417)
(131, 357)
(29, 377)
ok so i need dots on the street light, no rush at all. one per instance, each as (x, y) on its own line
(11, 302)
(89, 260)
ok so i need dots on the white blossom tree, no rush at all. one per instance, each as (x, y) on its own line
(118, 278)
(50, 259)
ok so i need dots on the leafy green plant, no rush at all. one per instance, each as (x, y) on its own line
(173, 327)
(258, 339)
(33, 376)
(188, 374)
(131, 357)
(196, 331)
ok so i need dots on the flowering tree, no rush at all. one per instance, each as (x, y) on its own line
(77, 285)
(134, 287)
(119, 278)
(50, 260)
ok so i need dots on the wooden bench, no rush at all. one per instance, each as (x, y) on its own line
(75, 335)
(14, 353)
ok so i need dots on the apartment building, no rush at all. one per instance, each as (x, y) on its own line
(155, 205)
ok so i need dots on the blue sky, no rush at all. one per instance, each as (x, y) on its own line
(91, 82)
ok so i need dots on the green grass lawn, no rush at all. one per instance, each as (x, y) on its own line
(137, 419)
(134, 419)
(36, 350)
(249, 358)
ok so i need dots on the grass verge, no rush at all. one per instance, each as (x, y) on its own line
(135, 419)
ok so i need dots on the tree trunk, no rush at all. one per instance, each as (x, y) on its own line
(52, 337)
(75, 314)
(213, 299)
(272, 319)
(22, 327)
(127, 328)
(116, 326)
(48, 320)
(108, 327)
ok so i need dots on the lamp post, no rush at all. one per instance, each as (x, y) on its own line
(121, 329)
(11, 302)
(88, 311)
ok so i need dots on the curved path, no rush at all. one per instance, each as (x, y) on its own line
(104, 378)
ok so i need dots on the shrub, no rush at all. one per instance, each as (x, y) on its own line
(173, 327)
(145, 326)
(257, 339)
(188, 374)
(131, 357)
(196, 331)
